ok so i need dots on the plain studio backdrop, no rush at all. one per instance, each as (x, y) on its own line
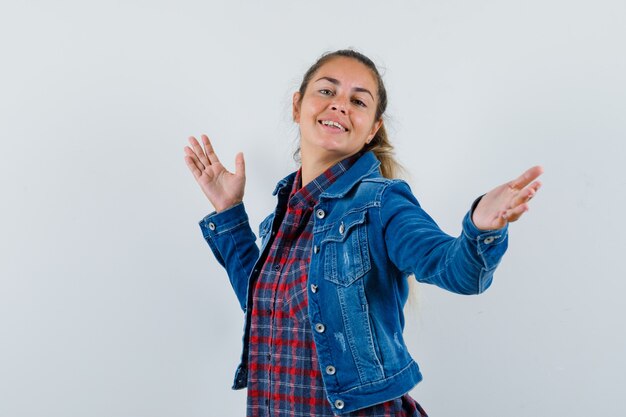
(111, 303)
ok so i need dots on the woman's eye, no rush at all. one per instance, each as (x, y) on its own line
(359, 102)
(326, 92)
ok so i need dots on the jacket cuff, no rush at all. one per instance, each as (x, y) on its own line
(214, 224)
(484, 239)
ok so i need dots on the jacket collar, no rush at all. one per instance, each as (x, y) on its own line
(285, 182)
(365, 166)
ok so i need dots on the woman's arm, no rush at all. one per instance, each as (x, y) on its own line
(465, 264)
(226, 230)
(233, 243)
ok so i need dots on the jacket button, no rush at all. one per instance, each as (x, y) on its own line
(320, 213)
(489, 240)
(211, 226)
(319, 327)
(341, 228)
(330, 370)
(313, 288)
(316, 249)
(339, 404)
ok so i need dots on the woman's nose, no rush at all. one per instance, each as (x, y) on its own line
(338, 106)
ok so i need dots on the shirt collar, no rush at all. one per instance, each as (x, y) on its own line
(309, 194)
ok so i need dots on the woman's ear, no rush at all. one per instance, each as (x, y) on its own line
(296, 107)
(377, 124)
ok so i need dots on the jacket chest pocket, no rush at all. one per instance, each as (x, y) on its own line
(347, 256)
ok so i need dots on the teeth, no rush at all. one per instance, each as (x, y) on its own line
(331, 123)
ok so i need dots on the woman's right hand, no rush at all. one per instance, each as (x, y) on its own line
(223, 188)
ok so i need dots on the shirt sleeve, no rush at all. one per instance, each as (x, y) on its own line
(416, 245)
(233, 243)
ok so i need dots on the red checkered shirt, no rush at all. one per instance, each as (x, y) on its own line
(284, 376)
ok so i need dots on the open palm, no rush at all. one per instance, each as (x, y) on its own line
(507, 202)
(223, 188)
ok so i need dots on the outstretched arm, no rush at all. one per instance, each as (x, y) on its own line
(465, 264)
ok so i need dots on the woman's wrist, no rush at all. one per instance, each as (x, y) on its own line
(223, 207)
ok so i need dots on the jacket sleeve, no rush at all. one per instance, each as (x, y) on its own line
(233, 243)
(416, 245)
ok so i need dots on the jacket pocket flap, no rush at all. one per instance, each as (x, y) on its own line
(342, 228)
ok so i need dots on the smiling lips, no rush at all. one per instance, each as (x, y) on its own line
(334, 124)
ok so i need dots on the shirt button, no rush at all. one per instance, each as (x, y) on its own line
(489, 240)
(277, 267)
(313, 288)
(211, 226)
(339, 404)
(341, 228)
(330, 370)
(269, 356)
(316, 249)
(320, 213)
(319, 327)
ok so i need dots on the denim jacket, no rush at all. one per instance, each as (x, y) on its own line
(369, 235)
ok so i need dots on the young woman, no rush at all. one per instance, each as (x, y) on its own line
(324, 296)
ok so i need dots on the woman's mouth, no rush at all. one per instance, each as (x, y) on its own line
(333, 125)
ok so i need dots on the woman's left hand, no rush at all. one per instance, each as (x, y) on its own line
(507, 203)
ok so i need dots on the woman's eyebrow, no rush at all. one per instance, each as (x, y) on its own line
(336, 82)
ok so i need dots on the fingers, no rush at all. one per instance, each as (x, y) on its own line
(189, 153)
(203, 161)
(199, 152)
(526, 178)
(525, 195)
(240, 165)
(209, 150)
(532, 189)
(515, 213)
(191, 164)
(519, 205)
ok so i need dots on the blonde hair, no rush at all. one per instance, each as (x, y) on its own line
(384, 151)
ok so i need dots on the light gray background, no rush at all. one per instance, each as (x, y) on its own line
(111, 304)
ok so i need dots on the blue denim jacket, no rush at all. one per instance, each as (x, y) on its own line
(369, 234)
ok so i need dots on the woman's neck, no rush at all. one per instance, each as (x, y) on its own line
(313, 167)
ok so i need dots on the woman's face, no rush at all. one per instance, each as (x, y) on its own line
(337, 113)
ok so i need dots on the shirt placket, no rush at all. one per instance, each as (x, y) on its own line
(278, 326)
(282, 254)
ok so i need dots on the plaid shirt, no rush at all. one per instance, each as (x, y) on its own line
(284, 376)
